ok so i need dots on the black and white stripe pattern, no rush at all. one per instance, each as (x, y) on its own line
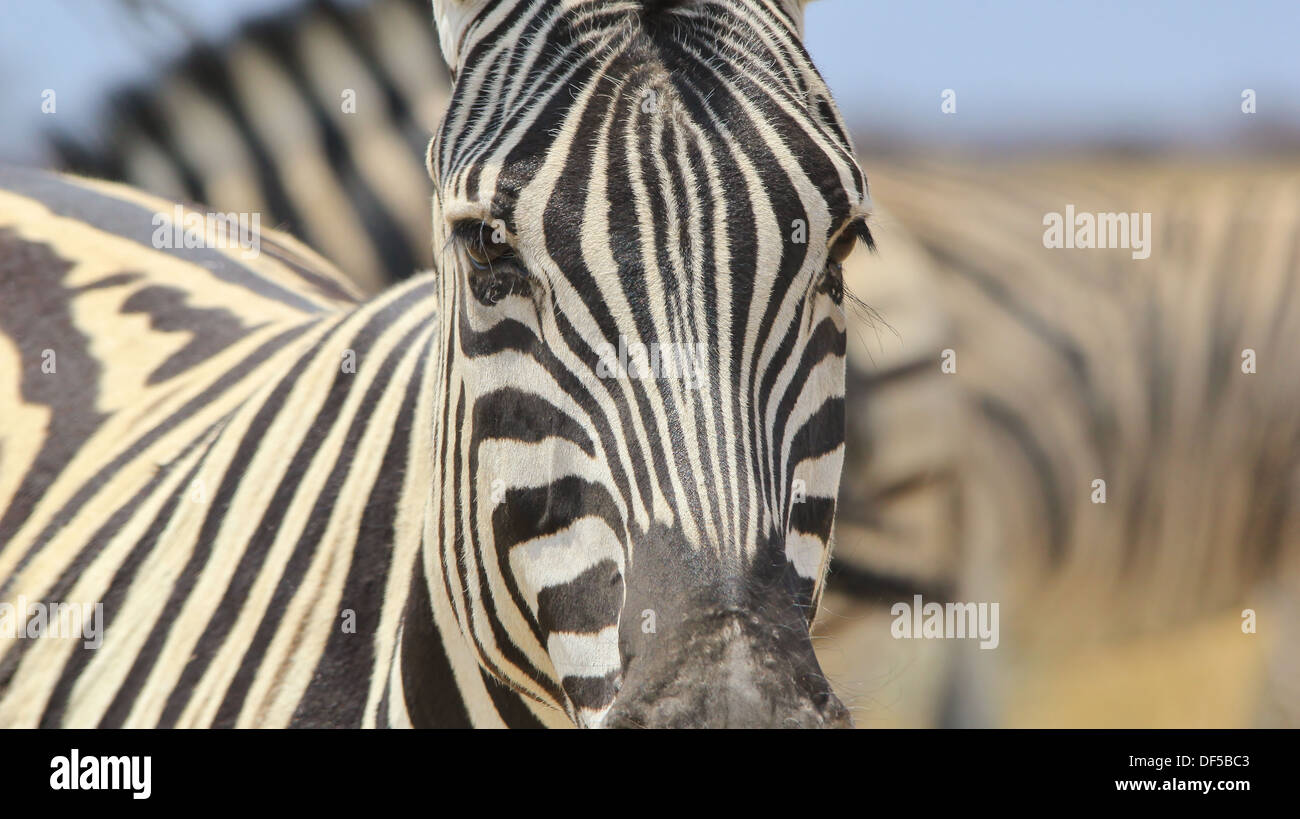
(316, 117)
(1073, 366)
(647, 168)
(218, 479)
(489, 505)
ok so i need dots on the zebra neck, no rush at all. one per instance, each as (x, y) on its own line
(398, 658)
(366, 459)
(436, 681)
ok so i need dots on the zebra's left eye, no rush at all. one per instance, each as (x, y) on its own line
(833, 281)
(843, 247)
(855, 232)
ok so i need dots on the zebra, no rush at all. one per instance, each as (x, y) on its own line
(146, 138)
(316, 116)
(519, 528)
(1126, 438)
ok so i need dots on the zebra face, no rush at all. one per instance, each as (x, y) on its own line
(642, 210)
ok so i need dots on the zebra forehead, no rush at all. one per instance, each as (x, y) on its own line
(463, 24)
(724, 87)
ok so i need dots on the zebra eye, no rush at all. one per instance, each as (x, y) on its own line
(496, 272)
(483, 243)
(843, 247)
(854, 233)
(832, 282)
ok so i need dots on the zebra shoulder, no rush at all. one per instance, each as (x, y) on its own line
(89, 228)
(108, 311)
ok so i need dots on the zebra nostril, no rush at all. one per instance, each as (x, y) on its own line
(619, 721)
(832, 712)
(724, 670)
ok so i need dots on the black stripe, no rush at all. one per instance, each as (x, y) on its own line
(586, 604)
(350, 657)
(90, 487)
(36, 313)
(877, 586)
(429, 686)
(125, 575)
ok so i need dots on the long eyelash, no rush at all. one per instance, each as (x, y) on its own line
(833, 281)
(864, 312)
(451, 238)
(467, 231)
(863, 232)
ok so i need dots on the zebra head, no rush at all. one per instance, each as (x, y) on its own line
(640, 216)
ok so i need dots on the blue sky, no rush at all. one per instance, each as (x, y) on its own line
(1060, 69)
(1157, 71)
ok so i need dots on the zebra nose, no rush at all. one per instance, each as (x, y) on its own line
(728, 670)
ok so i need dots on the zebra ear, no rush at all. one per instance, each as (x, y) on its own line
(454, 18)
(795, 8)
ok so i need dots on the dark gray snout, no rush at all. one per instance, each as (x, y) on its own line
(728, 669)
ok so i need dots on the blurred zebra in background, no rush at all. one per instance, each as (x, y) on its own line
(316, 117)
(1173, 379)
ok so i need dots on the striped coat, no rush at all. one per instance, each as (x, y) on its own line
(124, 457)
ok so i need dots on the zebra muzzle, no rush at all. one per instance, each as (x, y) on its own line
(728, 669)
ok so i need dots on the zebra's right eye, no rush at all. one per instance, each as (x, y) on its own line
(484, 243)
(496, 272)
